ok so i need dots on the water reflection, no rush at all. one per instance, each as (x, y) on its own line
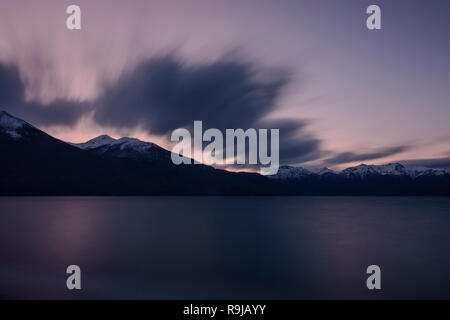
(224, 247)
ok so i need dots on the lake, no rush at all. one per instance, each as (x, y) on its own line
(225, 247)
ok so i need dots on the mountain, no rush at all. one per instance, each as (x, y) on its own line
(124, 148)
(35, 163)
(294, 173)
(362, 171)
(389, 179)
(392, 169)
(12, 126)
(100, 141)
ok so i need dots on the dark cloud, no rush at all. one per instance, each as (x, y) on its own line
(163, 94)
(11, 87)
(12, 99)
(429, 163)
(346, 157)
(58, 112)
(296, 145)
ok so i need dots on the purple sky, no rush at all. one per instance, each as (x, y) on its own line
(380, 94)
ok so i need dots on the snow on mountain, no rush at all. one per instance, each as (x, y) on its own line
(321, 171)
(417, 171)
(288, 172)
(10, 125)
(361, 171)
(392, 169)
(124, 147)
(123, 143)
(134, 144)
(95, 143)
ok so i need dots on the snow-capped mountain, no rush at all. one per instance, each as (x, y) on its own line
(292, 173)
(124, 147)
(391, 169)
(35, 163)
(95, 142)
(417, 171)
(322, 171)
(362, 171)
(11, 125)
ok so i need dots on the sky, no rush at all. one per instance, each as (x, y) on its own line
(341, 94)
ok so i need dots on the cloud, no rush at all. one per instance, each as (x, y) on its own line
(346, 157)
(429, 163)
(296, 145)
(162, 94)
(57, 112)
(11, 86)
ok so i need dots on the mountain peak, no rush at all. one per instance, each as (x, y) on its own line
(102, 138)
(124, 148)
(388, 165)
(321, 171)
(124, 143)
(96, 142)
(361, 171)
(396, 169)
(10, 124)
(4, 116)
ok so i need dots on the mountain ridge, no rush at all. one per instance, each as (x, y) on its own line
(105, 141)
(35, 163)
(361, 170)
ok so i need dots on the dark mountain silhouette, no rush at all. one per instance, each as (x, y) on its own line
(34, 163)
(390, 179)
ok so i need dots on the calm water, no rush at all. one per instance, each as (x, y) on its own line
(224, 247)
